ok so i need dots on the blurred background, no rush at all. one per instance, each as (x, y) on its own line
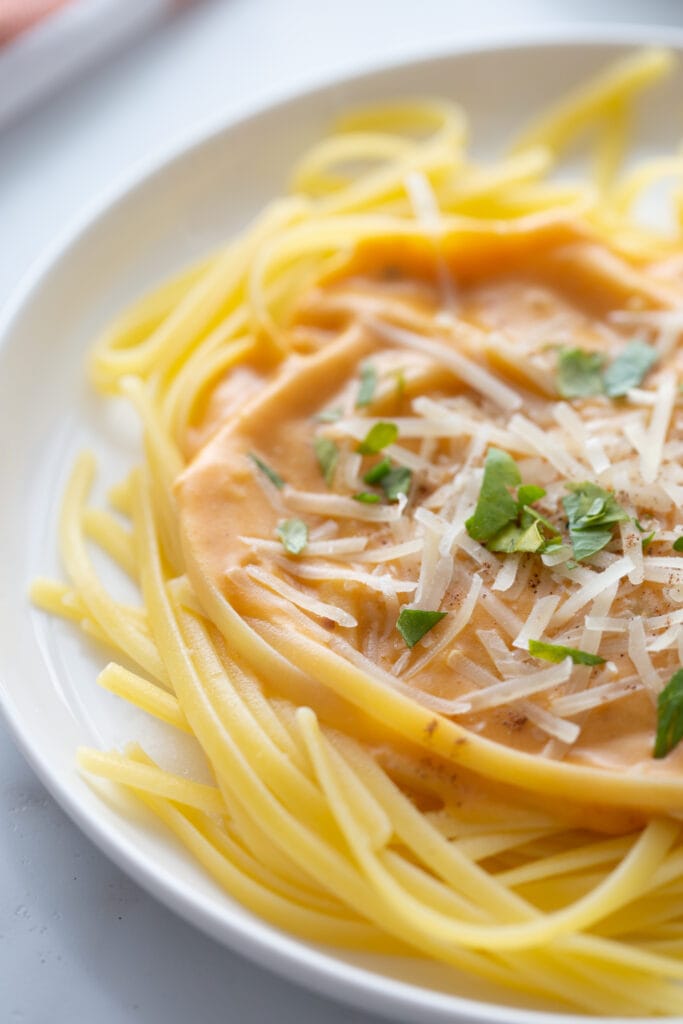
(89, 91)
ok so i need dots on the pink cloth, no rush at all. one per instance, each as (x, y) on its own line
(18, 15)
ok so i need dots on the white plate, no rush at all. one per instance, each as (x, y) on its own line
(167, 217)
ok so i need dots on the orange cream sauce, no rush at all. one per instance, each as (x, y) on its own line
(550, 288)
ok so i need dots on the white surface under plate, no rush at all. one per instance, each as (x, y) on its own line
(187, 206)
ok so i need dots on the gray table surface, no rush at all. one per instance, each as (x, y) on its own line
(78, 940)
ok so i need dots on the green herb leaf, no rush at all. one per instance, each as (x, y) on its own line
(629, 368)
(327, 454)
(678, 544)
(396, 482)
(553, 544)
(414, 623)
(586, 543)
(496, 508)
(368, 384)
(274, 477)
(294, 535)
(329, 415)
(646, 541)
(556, 653)
(501, 522)
(529, 515)
(378, 437)
(592, 513)
(589, 505)
(527, 494)
(515, 538)
(579, 373)
(367, 497)
(670, 715)
(376, 472)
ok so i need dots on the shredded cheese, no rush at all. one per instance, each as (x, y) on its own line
(537, 622)
(384, 583)
(339, 507)
(638, 653)
(320, 548)
(589, 591)
(458, 621)
(578, 703)
(514, 689)
(554, 726)
(301, 599)
(653, 445)
(470, 373)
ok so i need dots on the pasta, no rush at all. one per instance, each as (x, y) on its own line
(405, 535)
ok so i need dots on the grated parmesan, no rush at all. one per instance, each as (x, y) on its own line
(589, 591)
(472, 374)
(301, 599)
(637, 652)
(339, 507)
(513, 689)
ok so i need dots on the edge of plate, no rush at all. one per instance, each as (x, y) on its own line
(320, 971)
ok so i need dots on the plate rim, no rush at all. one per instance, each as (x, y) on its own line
(268, 946)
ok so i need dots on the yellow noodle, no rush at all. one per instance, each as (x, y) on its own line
(612, 145)
(119, 496)
(112, 537)
(105, 611)
(558, 127)
(139, 322)
(145, 695)
(618, 887)
(58, 599)
(151, 780)
(308, 924)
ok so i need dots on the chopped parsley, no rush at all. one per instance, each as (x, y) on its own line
(393, 481)
(592, 514)
(496, 508)
(527, 494)
(414, 623)
(294, 535)
(515, 538)
(629, 368)
(529, 515)
(378, 437)
(579, 373)
(396, 482)
(501, 521)
(645, 541)
(367, 387)
(274, 477)
(678, 544)
(669, 716)
(327, 454)
(376, 472)
(556, 653)
(367, 497)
